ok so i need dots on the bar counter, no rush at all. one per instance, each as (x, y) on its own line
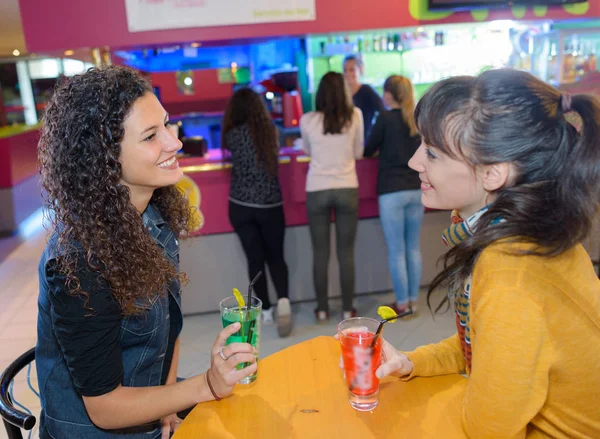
(215, 263)
(19, 188)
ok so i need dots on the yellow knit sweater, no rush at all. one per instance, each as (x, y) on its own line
(535, 341)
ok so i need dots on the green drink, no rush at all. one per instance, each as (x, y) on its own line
(249, 332)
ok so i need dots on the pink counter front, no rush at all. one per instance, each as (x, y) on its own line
(20, 194)
(214, 261)
(212, 176)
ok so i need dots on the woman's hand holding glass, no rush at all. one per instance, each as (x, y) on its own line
(393, 362)
(223, 374)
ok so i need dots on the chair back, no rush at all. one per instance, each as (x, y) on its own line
(14, 419)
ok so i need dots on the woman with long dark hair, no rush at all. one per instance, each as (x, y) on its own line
(395, 137)
(110, 300)
(523, 182)
(333, 137)
(255, 202)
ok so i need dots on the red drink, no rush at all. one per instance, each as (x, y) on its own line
(361, 361)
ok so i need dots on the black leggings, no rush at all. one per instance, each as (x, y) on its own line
(261, 232)
(319, 206)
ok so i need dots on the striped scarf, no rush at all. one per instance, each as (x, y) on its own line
(459, 231)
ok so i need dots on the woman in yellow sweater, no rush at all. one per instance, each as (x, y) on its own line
(524, 184)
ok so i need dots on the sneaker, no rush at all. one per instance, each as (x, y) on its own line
(321, 316)
(399, 309)
(413, 307)
(267, 316)
(285, 321)
(349, 314)
(403, 309)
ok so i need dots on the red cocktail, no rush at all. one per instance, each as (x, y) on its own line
(361, 358)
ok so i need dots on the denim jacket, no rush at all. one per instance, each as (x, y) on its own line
(144, 341)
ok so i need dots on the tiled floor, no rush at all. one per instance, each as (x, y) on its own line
(18, 314)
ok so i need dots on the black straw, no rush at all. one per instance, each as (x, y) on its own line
(250, 287)
(249, 304)
(404, 314)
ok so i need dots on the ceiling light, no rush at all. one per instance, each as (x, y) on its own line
(16, 52)
(195, 44)
(69, 52)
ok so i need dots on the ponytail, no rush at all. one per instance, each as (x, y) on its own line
(401, 90)
(580, 184)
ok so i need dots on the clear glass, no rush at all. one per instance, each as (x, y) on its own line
(250, 329)
(361, 359)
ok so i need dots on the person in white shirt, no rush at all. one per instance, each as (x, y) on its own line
(333, 136)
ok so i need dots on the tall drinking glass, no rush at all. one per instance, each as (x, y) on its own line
(361, 360)
(250, 319)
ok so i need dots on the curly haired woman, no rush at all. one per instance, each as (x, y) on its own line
(110, 304)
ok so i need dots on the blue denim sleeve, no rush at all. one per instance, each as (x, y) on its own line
(87, 329)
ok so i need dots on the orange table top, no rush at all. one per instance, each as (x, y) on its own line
(300, 393)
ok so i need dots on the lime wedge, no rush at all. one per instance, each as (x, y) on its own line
(385, 312)
(240, 299)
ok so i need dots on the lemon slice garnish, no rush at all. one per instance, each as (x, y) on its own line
(240, 299)
(385, 312)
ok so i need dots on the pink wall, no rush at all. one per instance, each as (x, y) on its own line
(63, 24)
(18, 158)
(209, 94)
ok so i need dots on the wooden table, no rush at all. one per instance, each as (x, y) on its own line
(306, 377)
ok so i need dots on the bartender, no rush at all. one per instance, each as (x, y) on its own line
(363, 95)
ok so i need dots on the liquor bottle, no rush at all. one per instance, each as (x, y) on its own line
(552, 72)
(593, 61)
(568, 63)
(376, 44)
(383, 43)
(397, 43)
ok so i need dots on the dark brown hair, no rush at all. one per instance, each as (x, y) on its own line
(79, 153)
(247, 108)
(508, 116)
(401, 90)
(334, 101)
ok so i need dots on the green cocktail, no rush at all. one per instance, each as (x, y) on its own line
(250, 319)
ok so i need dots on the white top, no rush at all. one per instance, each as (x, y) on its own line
(332, 164)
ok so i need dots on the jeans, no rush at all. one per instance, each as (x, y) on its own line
(319, 206)
(401, 215)
(262, 232)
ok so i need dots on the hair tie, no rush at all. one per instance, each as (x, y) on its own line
(566, 100)
(217, 398)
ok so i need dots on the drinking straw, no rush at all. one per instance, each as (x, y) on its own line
(249, 305)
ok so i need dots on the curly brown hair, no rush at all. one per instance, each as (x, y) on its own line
(247, 108)
(334, 101)
(80, 171)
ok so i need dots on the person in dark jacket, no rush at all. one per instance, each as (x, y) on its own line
(395, 137)
(110, 298)
(363, 95)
